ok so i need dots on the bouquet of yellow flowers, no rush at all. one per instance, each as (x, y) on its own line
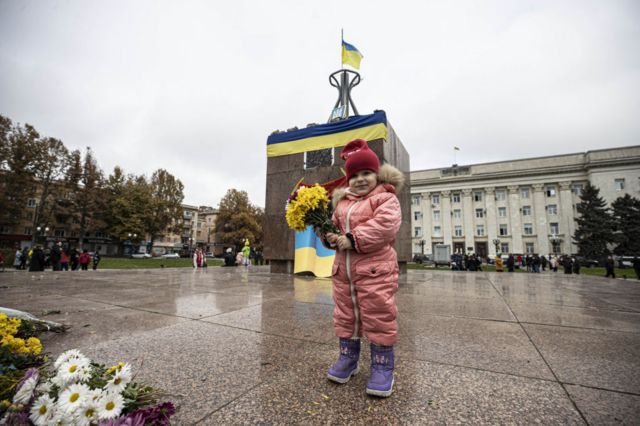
(309, 205)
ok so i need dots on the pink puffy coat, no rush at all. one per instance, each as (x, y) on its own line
(365, 280)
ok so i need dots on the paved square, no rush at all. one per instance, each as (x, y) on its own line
(243, 347)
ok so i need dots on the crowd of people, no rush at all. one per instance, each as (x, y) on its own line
(56, 257)
(244, 257)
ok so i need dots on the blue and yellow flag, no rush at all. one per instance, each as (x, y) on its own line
(350, 55)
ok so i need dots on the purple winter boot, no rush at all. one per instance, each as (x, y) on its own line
(382, 363)
(347, 364)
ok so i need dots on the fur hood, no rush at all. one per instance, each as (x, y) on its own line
(386, 175)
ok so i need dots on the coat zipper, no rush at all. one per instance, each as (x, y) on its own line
(352, 288)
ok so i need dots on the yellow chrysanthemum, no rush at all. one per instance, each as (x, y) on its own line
(34, 345)
(308, 198)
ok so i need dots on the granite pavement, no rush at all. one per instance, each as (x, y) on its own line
(244, 346)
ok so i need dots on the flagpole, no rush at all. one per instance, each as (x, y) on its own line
(341, 41)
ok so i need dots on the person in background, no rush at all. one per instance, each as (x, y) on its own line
(610, 265)
(576, 266)
(499, 266)
(96, 258)
(2, 261)
(64, 260)
(55, 255)
(511, 263)
(37, 260)
(75, 259)
(17, 261)
(84, 259)
(25, 257)
(239, 258)
(246, 254)
(229, 258)
(636, 266)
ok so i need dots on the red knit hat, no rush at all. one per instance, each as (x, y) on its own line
(358, 157)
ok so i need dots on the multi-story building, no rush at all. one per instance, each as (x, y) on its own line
(520, 206)
(196, 230)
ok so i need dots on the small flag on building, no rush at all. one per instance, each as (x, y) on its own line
(350, 55)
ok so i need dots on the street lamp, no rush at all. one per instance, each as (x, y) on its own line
(422, 246)
(496, 242)
(41, 230)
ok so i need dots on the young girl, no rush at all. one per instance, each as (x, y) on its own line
(365, 270)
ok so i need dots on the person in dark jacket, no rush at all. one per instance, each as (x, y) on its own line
(96, 259)
(576, 267)
(24, 258)
(55, 255)
(229, 258)
(511, 263)
(636, 266)
(566, 263)
(37, 260)
(609, 265)
(74, 258)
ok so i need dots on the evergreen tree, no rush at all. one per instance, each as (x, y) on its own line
(238, 220)
(626, 223)
(595, 227)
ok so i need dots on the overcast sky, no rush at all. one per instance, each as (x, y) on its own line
(196, 87)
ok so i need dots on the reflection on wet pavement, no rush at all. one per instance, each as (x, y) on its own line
(246, 346)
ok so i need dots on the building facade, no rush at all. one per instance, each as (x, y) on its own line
(520, 206)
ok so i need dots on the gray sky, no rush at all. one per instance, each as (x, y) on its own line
(196, 87)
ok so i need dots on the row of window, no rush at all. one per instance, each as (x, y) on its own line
(552, 209)
(525, 193)
(503, 230)
(504, 248)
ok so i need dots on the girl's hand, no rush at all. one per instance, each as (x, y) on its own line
(343, 243)
(331, 238)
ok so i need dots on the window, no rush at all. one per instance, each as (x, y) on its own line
(551, 191)
(74, 234)
(552, 209)
(435, 199)
(417, 232)
(437, 231)
(479, 213)
(528, 229)
(502, 212)
(526, 210)
(554, 229)
(529, 248)
(29, 216)
(456, 197)
(504, 230)
(577, 188)
(28, 231)
(417, 199)
(5, 229)
(501, 195)
(100, 234)
(187, 214)
(525, 193)
(457, 231)
(480, 230)
(436, 215)
(504, 247)
(477, 196)
(58, 233)
(457, 214)
(619, 184)
(417, 215)
(31, 202)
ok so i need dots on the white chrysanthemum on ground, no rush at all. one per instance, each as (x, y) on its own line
(73, 397)
(68, 355)
(43, 411)
(25, 393)
(75, 370)
(87, 414)
(120, 380)
(111, 405)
